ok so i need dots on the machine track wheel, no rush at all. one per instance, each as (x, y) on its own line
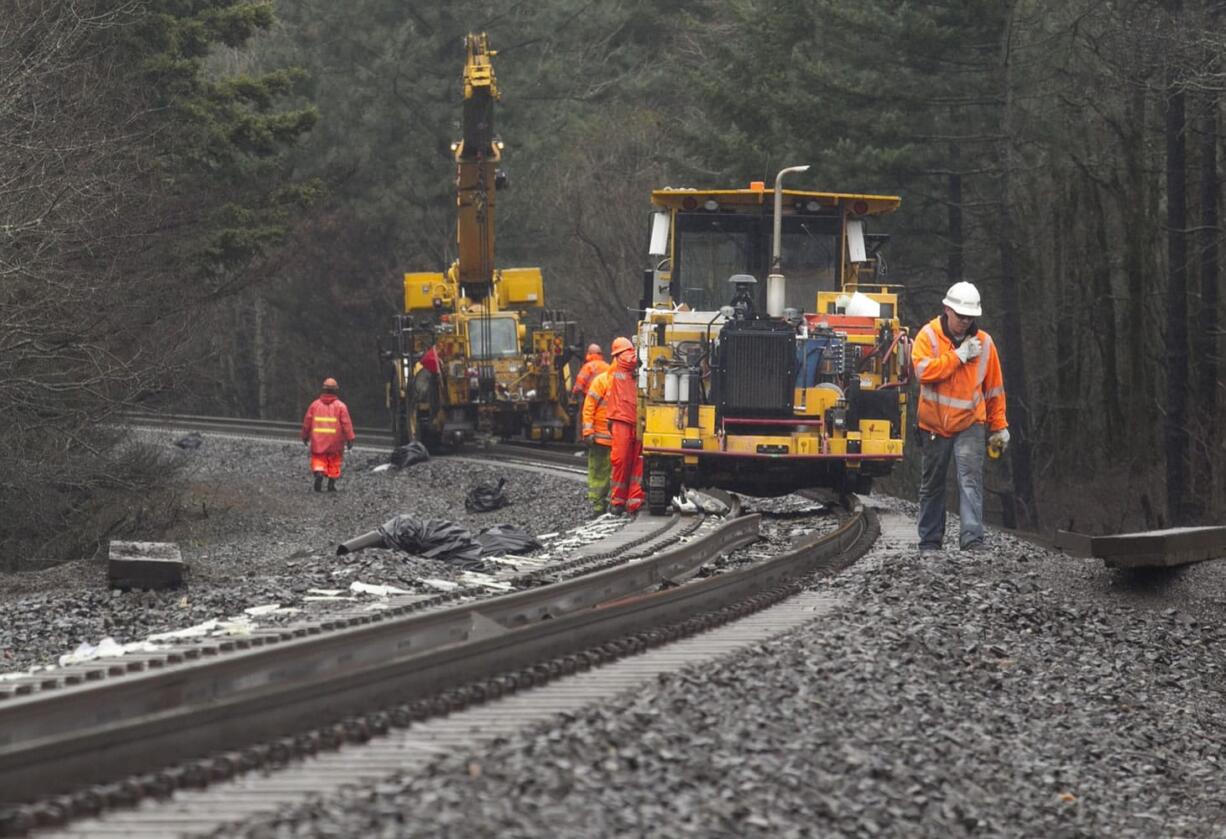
(661, 486)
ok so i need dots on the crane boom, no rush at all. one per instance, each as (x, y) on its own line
(477, 156)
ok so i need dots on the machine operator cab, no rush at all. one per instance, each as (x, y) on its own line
(767, 388)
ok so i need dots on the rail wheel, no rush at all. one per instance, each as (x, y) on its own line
(661, 483)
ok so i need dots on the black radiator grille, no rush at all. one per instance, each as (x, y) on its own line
(757, 370)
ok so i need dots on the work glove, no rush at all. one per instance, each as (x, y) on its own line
(970, 348)
(999, 440)
(306, 442)
(349, 445)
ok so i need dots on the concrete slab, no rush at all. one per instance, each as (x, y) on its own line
(145, 565)
(1148, 549)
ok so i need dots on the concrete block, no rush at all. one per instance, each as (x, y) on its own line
(1148, 549)
(145, 565)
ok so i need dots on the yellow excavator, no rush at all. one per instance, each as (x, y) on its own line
(463, 359)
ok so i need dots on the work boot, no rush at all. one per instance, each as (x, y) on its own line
(331, 484)
(616, 511)
(319, 481)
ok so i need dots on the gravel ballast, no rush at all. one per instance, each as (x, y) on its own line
(1007, 693)
(254, 533)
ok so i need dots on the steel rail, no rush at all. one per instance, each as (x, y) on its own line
(86, 733)
(508, 452)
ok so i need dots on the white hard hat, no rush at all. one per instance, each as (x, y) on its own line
(963, 298)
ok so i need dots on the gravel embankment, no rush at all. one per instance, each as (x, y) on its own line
(255, 533)
(1014, 693)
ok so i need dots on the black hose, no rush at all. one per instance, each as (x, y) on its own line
(366, 540)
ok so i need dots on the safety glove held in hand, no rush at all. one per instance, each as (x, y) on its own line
(998, 441)
(970, 348)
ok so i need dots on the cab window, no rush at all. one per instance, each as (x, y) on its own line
(492, 338)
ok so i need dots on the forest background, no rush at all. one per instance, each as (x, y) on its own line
(207, 205)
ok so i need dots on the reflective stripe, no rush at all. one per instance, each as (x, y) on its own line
(996, 391)
(600, 436)
(597, 400)
(587, 426)
(983, 360)
(928, 332)
(931, 395)
(325, 419)
(324, 431)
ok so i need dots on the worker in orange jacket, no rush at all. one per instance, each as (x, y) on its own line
(327, 431)
(592, 367)
(961, 392)
(626, 456)
(595, 432)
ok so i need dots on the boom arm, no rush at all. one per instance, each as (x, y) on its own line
(477, 156)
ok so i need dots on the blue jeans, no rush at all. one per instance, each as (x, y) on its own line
(967, 449)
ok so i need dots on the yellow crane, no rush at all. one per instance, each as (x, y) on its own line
(464, 359)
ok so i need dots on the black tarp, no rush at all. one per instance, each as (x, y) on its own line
(434, 539)
(446, 541)
(408, 454)
(506, 539)
(486, 497)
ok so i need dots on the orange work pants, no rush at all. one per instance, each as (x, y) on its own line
(627, 459)
(329, 464)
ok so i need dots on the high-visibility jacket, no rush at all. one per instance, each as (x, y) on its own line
(596, 410)
(954, 396)
(327, 425)
(623, 393)
(429, 360)
(593, 366)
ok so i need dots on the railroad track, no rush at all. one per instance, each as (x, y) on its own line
(140, 729)
(522, 453)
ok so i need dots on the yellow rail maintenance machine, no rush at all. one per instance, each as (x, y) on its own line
(767, 388)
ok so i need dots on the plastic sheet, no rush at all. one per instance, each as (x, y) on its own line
(408, 454)
(506, 538)
(433, 539)
(486, 497)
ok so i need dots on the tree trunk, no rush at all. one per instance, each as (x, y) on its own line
(953, 267)
(259, 349)
(1013, 361)
(1104, 327)
(1065, 319)
(1176, 427)
(1136, 268)
(1206, 340)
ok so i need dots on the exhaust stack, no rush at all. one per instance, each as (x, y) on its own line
(776, 285)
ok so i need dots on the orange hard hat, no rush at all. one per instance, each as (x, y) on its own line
(330, 384)
(594, 349)
(621, 345)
